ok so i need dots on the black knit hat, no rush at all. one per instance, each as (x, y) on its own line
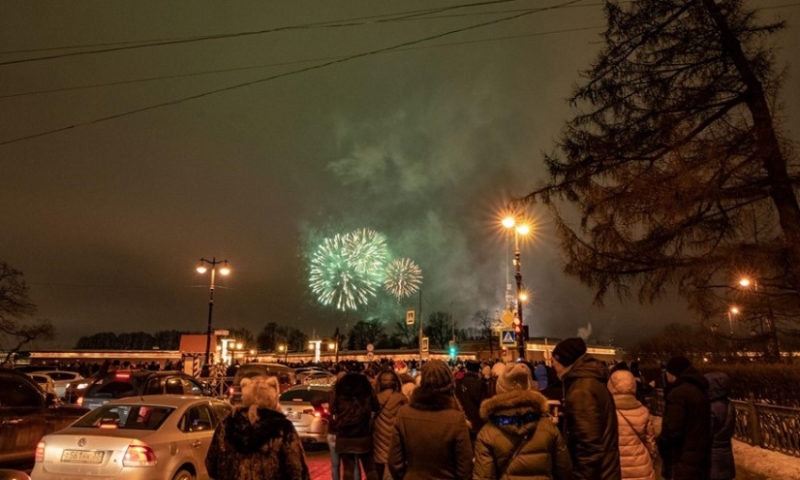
(473, 366)
(569, 350)
(678, 365)
(436, 376)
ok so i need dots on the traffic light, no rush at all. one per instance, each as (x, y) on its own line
(453, 351)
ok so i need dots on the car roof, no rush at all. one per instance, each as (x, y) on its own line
(48, 372)
(309, 387)
(162, 400)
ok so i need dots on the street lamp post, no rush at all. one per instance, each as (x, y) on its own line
(224, 270)
(510, 222)
(773, 348)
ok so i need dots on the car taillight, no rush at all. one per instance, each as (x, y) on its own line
(40, 452)
(123, 376)
(139, 456)
(79, 401)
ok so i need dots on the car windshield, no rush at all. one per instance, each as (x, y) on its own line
(302, 395)
(131, 417)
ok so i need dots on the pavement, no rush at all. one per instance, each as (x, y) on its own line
(319, 465)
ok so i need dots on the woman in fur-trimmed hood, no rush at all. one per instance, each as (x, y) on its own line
(637, 442)
(257, 441)
(519, 440)
(431, 435)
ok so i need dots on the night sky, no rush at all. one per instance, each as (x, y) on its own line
(424, 144)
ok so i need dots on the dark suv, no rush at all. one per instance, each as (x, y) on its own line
(27, 413)
(130, 383)
(285, 375)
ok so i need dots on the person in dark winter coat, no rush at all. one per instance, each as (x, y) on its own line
(470, 391)
(685, 439)
(390, 399)
(518, 440)
(354, 407)
(723, 420)
(257, 441)
(431, 437)
(590, 417)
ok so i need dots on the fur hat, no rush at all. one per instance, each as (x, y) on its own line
(622, 382)
(408, 389)
(400, 367)
(498, 369)
(259, 392)
(678, 365)
(569, 350)
(516, 377)
(437, 377)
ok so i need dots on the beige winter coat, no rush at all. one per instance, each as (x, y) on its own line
(637, 446)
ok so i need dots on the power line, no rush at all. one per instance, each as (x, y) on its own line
(115, 47)
(294, 62)
(284, 74)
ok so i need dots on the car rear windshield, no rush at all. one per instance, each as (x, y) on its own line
(131, 417)
(246, 371)
(111, 389)
(302, 395)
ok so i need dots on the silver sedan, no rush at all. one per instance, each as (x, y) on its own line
(141, 438)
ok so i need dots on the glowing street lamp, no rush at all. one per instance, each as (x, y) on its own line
(201, 269)
(732, 312)
(519, 229)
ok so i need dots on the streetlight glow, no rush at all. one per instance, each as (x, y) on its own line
(281, 348)
(735, 310)
(523, 297)
(524, 229)
(224, 271)
(745, 282)
(239, 346)
(331, 345)
(509, 222)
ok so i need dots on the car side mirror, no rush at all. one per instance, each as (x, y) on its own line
(51, 400)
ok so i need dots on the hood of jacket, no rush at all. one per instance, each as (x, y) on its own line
(249, 437)
(353, 385)
(517, 411)
(427, 400)
(692, 377)
(622, 382)
(719, 385)
(381, 385)
(586, 367)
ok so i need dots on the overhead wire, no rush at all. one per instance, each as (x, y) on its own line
(293, 62)
(284, 74)
(324, 24)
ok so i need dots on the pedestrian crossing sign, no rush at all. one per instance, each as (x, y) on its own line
(507, 338)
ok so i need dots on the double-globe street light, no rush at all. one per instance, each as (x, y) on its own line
(519, 229)
(224, 270)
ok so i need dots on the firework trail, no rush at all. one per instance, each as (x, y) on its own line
(403, 278)
(367, 252)
(335, 277)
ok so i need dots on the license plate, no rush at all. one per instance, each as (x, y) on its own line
(81, 456)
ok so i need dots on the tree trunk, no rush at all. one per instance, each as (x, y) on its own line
(780, 191)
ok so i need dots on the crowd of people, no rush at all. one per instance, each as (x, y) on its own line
(578, 420)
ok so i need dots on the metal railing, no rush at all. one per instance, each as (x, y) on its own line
(768, 426)
(759, 424)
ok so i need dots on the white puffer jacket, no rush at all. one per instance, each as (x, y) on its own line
(637, 445)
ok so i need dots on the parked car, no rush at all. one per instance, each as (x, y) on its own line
(285, 375)
(61, 380)
(26, 414)
(306, 408)
(318, 378)
(45, 382)
(75, 390)
(13, 475)
(129, 383)
(158, 436)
